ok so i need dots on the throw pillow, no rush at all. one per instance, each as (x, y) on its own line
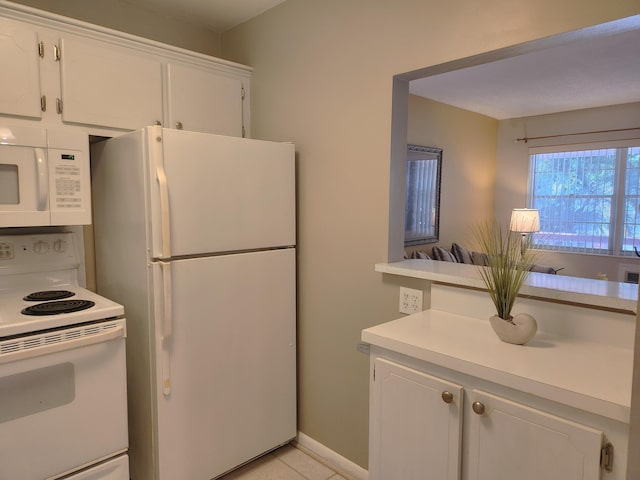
(478, 258)
(443, 255)
(462, 254)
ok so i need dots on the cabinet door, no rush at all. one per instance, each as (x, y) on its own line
(109, 86)
(20, 77)
(512, 441)
(202, 100)
(414, 434)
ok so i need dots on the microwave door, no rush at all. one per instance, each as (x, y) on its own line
(24, 186)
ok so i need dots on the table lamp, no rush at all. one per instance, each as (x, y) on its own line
(525, 221)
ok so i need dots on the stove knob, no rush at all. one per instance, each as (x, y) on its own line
(60, 246)
(41, 247)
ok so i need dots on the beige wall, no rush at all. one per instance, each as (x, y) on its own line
(469, 142)
(127, 17)
(323, 79)
(513, 171)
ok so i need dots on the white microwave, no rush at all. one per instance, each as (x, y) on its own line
(44, 177)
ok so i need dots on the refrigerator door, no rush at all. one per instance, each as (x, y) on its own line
(225, 361)
(219, 194)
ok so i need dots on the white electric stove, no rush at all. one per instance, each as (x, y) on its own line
(63, 410)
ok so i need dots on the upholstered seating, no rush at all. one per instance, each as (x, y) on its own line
(460, 254)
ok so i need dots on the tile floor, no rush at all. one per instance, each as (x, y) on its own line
(286, 463)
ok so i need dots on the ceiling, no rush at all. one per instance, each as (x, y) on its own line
(216, 15)
(590, 72)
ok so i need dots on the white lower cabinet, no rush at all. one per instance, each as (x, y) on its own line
(509, 440)
(417, 431)
(416, 422)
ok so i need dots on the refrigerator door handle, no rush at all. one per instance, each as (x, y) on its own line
(167, 320)
(166, 373)
(167, 326)
(164, 212)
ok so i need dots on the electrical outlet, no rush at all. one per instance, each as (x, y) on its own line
(410, 300)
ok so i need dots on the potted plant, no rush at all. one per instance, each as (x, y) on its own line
(508, 262)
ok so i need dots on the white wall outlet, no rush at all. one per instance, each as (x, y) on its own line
(410, 300)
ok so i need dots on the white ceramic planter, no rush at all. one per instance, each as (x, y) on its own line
(518, 331)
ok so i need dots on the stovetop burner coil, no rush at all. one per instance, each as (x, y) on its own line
(58, 307)
(47, 295)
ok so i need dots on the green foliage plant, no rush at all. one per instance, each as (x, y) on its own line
(509, 262)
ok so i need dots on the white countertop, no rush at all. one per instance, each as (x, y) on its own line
(585, 291)
(594, 377)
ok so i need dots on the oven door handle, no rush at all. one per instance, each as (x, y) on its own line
(117, 332)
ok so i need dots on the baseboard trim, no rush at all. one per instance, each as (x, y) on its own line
(344, 466)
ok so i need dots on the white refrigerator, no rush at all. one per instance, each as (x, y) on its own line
(195, 235)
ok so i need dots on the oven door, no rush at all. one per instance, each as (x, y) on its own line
(24, 177)
(62, 400)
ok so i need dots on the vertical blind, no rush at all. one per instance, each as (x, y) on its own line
(588, 199)
(631, 226)
(421, 194)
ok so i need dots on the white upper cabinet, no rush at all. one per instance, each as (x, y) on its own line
(203, 100)
(70, 73)
(20, 78)
(107, 85)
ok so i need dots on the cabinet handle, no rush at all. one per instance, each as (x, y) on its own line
(478, 407)
(157, 123)
(179, 125)
(447, 397)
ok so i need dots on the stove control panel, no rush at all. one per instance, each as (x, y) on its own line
(44, 251)
(6, 251)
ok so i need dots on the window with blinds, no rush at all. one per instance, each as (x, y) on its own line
(422, 199)
(588, 199)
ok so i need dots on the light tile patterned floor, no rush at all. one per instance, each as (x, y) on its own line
(286, 463)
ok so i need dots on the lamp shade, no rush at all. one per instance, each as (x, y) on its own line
(525, 220)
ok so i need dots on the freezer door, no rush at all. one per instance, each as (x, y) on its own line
(222, 194)
(226, 368)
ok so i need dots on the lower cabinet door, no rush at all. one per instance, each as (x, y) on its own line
(512, 441)
(416, 422)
